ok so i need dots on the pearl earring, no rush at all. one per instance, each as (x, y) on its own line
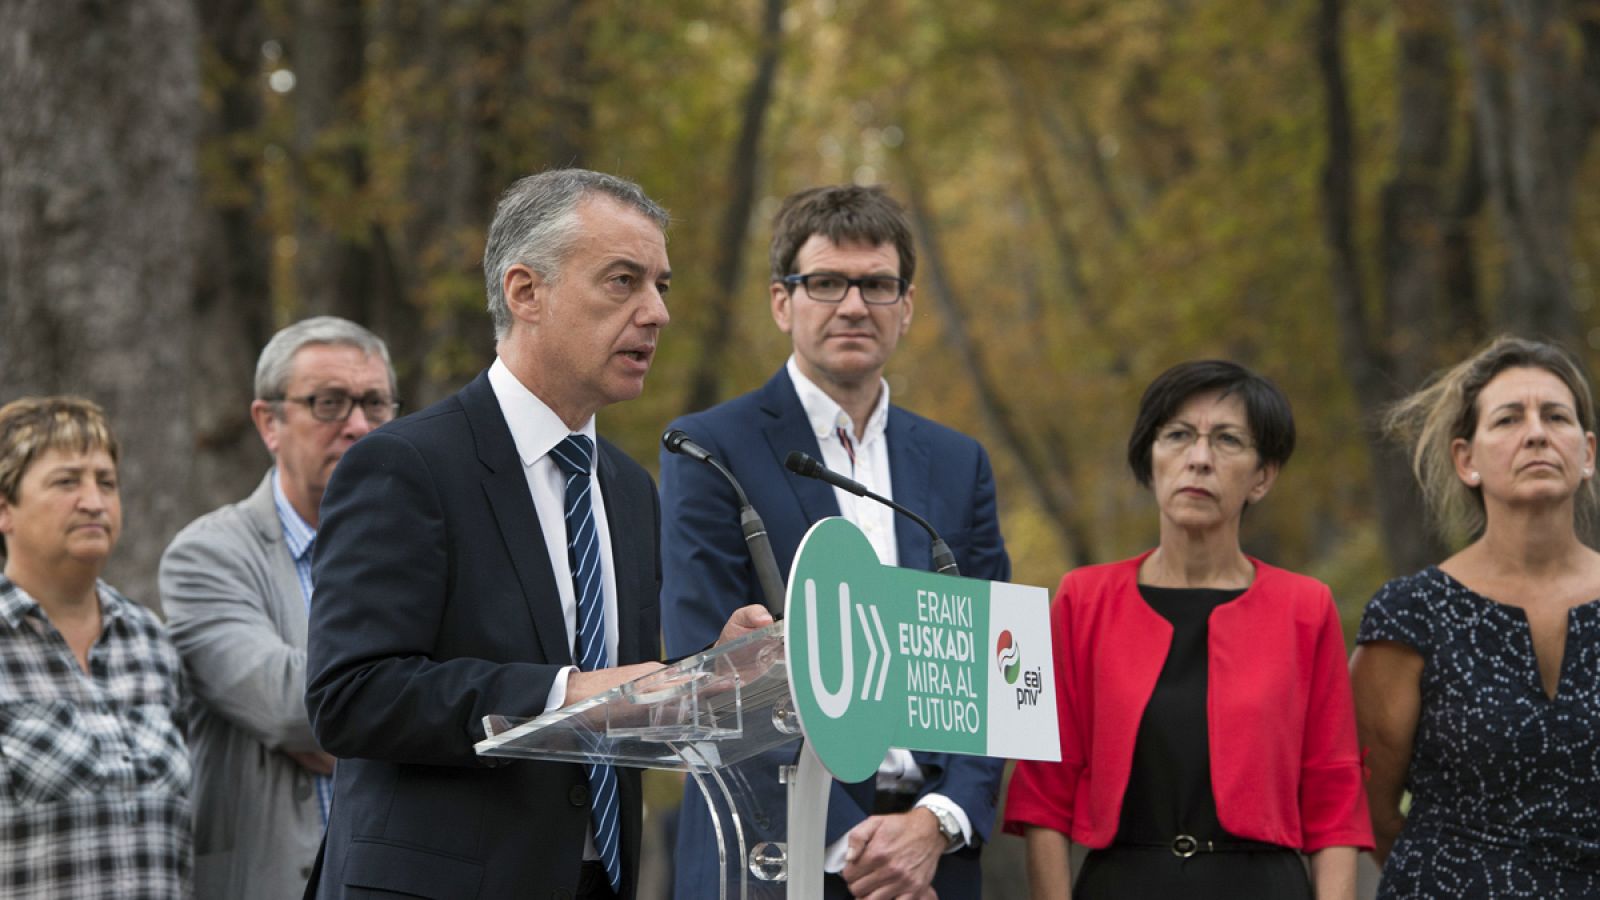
(1474, 477)
(1587, 472)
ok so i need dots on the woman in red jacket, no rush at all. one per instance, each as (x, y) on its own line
(1207, 731)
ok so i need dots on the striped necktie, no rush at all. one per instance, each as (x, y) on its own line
(574, 455)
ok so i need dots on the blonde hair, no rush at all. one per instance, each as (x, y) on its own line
(32, 426)
(1428, 422)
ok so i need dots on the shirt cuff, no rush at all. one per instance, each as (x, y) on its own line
(833, 855)
(558, 690)
(940, 802)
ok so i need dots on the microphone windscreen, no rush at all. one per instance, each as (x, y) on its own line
(800, 464)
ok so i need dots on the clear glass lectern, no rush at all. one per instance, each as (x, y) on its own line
(725, 717)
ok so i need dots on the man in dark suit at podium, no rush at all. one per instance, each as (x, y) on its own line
(842, 262)
(488, 556)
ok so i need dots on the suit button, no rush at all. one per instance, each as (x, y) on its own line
(561, 894)
(579, 795)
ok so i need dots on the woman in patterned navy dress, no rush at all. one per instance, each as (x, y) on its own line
(1476, 680)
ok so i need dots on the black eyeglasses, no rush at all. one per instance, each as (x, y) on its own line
(830, 287)
(336, 406)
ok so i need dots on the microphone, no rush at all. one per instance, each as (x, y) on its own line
(755, 531)
(944, 562)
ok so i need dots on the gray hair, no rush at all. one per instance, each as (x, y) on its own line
(536, 222)
(277, 358)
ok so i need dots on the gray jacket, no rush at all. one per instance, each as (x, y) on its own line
(235, 610)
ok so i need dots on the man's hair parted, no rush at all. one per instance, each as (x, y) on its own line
(536, 222)
(844, 214)
(276, 362)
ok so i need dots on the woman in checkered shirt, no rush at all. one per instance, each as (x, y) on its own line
(94, 774)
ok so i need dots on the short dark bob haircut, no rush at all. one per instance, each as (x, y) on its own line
(1266, 409)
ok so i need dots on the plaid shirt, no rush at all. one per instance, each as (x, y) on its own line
(94, 773)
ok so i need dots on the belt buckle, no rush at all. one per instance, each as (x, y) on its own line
(1185, 846)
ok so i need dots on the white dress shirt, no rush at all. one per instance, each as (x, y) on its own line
(865, 458)
(536, 430)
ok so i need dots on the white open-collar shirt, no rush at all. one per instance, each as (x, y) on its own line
(871, 468)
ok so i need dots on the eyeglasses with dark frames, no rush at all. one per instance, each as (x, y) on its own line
(831, 287)
(336, 406)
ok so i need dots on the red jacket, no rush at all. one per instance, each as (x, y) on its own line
(1285, 767)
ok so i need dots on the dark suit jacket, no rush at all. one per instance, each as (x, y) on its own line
(935, 471)
(435, 606)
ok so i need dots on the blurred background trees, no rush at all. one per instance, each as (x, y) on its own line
(1343, 194)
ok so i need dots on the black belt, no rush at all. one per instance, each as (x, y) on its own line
(1184, 846)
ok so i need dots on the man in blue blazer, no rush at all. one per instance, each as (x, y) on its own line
(446, 589)
(842, 262)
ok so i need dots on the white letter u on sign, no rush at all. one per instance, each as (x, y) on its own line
(833, 703)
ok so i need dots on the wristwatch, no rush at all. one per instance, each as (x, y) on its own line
(948, 826)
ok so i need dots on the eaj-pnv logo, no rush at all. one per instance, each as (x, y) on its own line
(1008, 657)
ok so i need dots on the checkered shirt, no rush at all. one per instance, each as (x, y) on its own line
(94, 772)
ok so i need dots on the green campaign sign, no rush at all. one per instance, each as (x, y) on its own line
(884, 657)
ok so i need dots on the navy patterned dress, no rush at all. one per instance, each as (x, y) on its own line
(1504, 781)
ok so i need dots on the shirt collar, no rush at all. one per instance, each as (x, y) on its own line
(825, 415)
(297, 532)
(17, 604)
(535, 427)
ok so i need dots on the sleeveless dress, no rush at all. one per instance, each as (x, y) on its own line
(1504, 780)
(1169, 788)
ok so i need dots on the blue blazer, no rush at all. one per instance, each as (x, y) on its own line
(435, 606)
(935, 471)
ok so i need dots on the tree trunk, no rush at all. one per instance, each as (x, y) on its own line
(1053, 494)
(705, 382)
(97, 201)
(1531, 98)
(233, 278)
(1370, 364)
(333, 248)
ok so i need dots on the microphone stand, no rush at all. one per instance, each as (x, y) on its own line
(755, 531)
(944, 562)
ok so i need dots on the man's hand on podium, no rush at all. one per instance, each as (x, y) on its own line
(744, 620)
(894, 856)
(583, 685)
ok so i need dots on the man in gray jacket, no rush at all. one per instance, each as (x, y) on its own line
(236, 587)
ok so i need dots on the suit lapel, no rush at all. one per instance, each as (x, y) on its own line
(261, 511)
(910, 472)
(788, 429)
(506, 488)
